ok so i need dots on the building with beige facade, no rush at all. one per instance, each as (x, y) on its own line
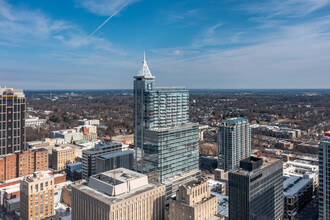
(193, 201)
(61, 156)
(118, 194)
(37, 196)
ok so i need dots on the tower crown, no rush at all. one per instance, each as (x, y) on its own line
(144, 70)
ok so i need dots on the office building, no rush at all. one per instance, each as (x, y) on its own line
(166, 143)
(61, 156)
(115, 160)
(33, 122)
(89, 156)
(302, 169)
(193, 201)
(324, 177)
(37, 196)
(89, 131)
(95, 122)
(68, 136)
(256, 190)
(23, 163)
(298, 192)
(74, 171)
(234, 142)
(118, 194)
(12, 120)
(170, 152)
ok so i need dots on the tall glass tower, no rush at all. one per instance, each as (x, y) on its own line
(166, 143)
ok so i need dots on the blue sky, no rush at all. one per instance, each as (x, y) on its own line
(206, 44)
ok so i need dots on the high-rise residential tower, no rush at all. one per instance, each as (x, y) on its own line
(166, 143)
(256, 190)
(12, 120)
(234, 142)
(324, 177)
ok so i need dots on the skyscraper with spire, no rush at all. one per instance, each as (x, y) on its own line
(166, 143)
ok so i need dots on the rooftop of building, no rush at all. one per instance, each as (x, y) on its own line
(41, 175)
(121, 175)
(114, 199)
(214, 183)
(102, 146)
(223, 204)
(39, 149)
(294, 184)
(118, 176)
(74, 164)
(62, 148)
(233, 121)
(67, 131)
(116, 154)
(265, 162)
(11, 92)
(12, 201)
(302, 165)
(193, 183)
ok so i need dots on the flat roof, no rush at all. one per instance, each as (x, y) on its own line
(114, 199)
(266, 162)
(294, 184)
(121, 175)
(11, 201)
(116, 154)
(223, 204)
(74, 164)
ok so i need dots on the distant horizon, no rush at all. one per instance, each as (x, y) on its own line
(299, 89)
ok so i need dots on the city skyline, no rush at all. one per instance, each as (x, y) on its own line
(88, 44)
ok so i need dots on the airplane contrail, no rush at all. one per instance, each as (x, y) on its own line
(98, 28)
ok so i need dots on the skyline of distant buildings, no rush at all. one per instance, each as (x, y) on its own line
(166, 183)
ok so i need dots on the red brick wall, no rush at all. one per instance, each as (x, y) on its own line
(60, 179)
(10, 166)
(2, 169)
(25, 163)
(41, 160)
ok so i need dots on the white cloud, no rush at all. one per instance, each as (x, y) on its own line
(294, 56)
(285, 8)
(19, 24)
(105, 7)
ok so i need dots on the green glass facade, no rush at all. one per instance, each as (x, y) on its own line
(166, 143)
